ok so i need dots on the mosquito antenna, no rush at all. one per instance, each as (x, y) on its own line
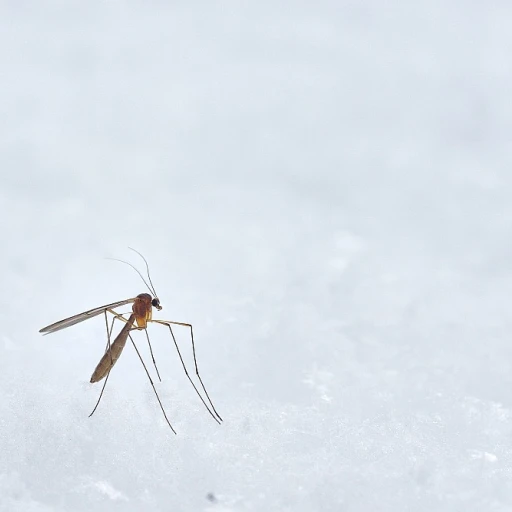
(147, 269)
(136, 270)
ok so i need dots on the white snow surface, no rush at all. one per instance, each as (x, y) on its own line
(323, 189)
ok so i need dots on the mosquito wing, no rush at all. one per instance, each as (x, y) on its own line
(72, 320)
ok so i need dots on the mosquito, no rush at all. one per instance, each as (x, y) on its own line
(140, 317)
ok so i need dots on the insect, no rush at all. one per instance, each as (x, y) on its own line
(140, 317)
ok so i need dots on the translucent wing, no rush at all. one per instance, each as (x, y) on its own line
(72, 320)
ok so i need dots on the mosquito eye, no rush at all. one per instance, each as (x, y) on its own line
(155, 303)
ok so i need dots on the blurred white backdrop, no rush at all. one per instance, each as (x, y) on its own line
(323, 190)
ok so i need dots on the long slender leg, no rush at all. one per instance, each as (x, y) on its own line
(116, 316)
(108, 347)
(112, 325)
(109, 332)
(120, 317)
(112, 354)
(101, 394)
(151, 381)
(188, 376)
(152, 356)
(168, 324)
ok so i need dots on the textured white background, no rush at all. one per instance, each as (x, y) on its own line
(323, 190)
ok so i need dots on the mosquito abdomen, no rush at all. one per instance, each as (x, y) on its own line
(111, 356)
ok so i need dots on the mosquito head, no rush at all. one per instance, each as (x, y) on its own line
(156, 303)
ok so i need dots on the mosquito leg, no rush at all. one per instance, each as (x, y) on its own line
(107, 348)
(112, 325)
(151, 381)
(152, 356)
(197, 367)
(188, 376)
(119, 316)
(101, 394)
(109, 332)
(217, 417)
(116, 316)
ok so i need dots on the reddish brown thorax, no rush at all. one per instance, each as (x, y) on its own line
(142, 309)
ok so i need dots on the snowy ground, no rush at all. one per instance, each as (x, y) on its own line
(323, 190)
